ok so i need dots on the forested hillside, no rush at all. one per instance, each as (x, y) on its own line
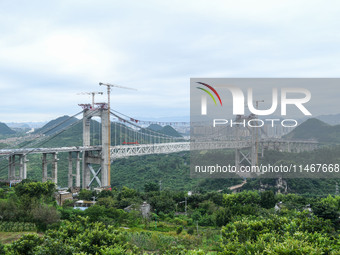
(210, 223)
(317, 130)
(5, 130)
(55, 125)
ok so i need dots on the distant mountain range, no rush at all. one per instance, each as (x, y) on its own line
(317, 130)
(25, 125)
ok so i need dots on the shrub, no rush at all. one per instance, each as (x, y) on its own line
(179, 230)
(190, 231)
(222, 217)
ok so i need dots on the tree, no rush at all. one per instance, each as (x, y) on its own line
(326, 208)
(78, 237)
(2, 249)
(34, 189)
(44, 215)
(151, 186)
(267, 199)
(26, 245)
(162, 203)
(222, 217)
(85, 194)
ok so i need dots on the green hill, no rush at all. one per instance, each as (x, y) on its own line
(5, 130)
(167, 130)
(317, 130)
(56, 125)
(155, 127)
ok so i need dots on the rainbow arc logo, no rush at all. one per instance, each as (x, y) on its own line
(209, 93)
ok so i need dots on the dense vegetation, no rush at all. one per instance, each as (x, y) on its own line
(215, 222)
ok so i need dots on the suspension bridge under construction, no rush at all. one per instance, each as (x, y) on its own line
(92, 162)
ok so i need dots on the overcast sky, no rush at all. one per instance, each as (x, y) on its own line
(52, 50)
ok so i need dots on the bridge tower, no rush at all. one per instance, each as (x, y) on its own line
(251, 155)
(96, 157)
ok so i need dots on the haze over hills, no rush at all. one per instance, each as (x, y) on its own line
(18, 125)
(317, 130)
(24, 125)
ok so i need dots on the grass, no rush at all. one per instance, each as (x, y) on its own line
(8, 237)
(164, 237)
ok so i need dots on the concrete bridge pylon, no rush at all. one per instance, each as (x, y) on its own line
(96, 157)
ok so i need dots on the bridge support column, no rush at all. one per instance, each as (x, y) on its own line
(78, 170)
(44, 167)
(23, 167)
(86, 171)
(70, 174)
(55, 168)
(70, 170)
(11, 167)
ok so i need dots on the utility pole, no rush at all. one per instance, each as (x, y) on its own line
(109, 86)
(186, 205)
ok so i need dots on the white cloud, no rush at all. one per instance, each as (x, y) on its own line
(51, 50)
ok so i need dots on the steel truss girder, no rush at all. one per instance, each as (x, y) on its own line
(122, 151)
